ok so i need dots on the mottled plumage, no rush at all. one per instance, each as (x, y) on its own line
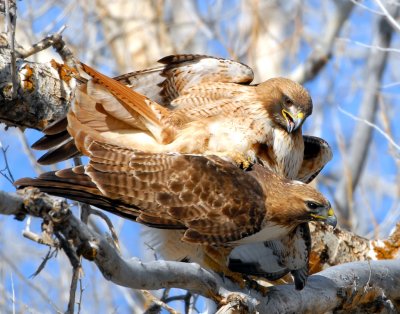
(213, 203)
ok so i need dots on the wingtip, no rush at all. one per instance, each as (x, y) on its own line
(50, 141)
(23, 182)
(176, 59)
(56, 127)
(63, 152)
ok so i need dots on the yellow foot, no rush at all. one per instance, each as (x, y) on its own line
(242, 160)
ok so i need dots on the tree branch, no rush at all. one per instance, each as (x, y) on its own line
(343, 287)
(323, 52)
(361, 139)
(44, 91)
(364, 286)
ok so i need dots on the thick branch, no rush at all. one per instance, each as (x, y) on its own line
(44, 91)
(361, 139)
(364, 286)
(343, 287)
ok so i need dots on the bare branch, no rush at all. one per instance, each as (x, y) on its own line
(72, 291)
(11, 20)
(45, 43)
(158, 302)
(363, 133)
(372, 125)
(37, 289)
(6, 172)
(388, 14)
(347, 287)
(321, 55)
(325, 291)
(29, 153)
(44, 91)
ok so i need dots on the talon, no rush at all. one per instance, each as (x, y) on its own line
(242, 160)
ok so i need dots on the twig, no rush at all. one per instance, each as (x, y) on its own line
(45, 43)
(158, 303)
(56, 41)
(321, 55)
(109, 224)
(11, 20)
(193, 304)
(359, 43)
(28, 151)
(362, 135)
(7, 175)
(187, 299)
(48, 256)
(388, 15)
(72, 290)
(81, 290)
(13, 293)
(45, 239)
(372, 125)
(29, 283)
(76, 267)
(358, 3)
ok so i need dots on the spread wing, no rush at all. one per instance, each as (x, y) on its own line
(213, 200)
(317, 153)
(137, 106)
(274, 259)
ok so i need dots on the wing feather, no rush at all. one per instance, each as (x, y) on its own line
(214, 200)
(317, 153)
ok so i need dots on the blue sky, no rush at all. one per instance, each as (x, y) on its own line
(339, 84)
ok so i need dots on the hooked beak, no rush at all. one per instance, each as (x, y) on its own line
(292, 122)
(327, 216)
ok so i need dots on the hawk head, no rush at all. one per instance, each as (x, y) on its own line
(302, 203)
(288, 103)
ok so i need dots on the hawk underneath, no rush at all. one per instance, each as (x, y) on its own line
(211, 204)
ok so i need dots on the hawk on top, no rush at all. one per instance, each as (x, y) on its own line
(200, 104)
(197, 104)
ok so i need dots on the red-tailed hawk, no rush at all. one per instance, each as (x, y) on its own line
(212, 205)
(200, 104)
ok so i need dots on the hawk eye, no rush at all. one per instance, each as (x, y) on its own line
(312, 205)
(287, 101)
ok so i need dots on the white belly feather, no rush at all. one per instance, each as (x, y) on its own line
(269, 232)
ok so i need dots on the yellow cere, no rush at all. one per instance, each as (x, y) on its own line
(285, 112)
(300, 115)
(318, 216)
(331, 212)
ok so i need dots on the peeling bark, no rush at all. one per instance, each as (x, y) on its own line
(43, 93)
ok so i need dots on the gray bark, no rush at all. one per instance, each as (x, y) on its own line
(44, 91)
(361, 286)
